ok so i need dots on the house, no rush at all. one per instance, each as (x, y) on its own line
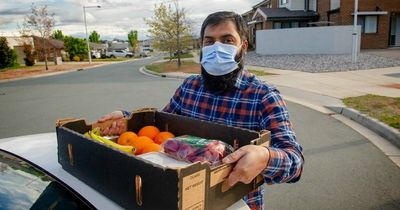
(119, 45)
(55, 48)
(146, 45)
(276, 14)
(379, 19)
(17, 43)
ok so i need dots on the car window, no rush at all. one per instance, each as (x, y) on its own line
(23, 186)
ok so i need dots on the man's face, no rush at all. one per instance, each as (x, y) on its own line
(224, 32)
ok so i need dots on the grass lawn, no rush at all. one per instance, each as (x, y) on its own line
(260, 73)
(172, 66)
(186, 55)
(385, 109)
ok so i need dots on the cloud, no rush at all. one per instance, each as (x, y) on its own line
(115, 18)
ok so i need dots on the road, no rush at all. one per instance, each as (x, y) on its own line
(343, 170)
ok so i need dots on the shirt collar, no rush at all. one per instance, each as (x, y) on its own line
(243, 79)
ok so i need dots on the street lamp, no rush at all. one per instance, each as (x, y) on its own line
(87, 39)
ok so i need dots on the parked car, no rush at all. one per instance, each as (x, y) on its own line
(32, 178)
(119, 53)
(144, 54)
(95, 54)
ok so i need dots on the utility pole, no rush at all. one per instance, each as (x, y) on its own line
(87, 39)
(177, 33)
(355, 34)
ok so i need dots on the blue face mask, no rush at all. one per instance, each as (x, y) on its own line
(219, 59)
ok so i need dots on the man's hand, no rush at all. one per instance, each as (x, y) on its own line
(250, 160)
(118, 126)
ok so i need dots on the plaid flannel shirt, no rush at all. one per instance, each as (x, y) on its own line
(255, 105)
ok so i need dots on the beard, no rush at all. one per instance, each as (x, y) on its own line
(224, 83)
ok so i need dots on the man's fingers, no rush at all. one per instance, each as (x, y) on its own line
(233, 178)
(233, 157)
(104, 118)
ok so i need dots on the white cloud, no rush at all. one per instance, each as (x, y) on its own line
(115, 18)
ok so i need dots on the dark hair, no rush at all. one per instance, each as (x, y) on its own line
(219, 17)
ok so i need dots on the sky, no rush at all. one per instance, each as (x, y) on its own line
(114, 19)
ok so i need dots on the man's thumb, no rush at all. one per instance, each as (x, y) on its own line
(233, 157)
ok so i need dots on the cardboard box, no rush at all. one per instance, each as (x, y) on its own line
(135, 183)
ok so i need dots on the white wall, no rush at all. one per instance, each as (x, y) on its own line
(296, 4)
(315, 40)
(335, 4)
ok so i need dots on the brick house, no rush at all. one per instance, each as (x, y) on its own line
(275, 14)
(379, 19)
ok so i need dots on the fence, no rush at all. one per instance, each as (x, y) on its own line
(312, 40)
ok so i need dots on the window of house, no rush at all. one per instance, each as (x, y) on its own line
(369, 24)
(286, 25)
(277, 25)
(284, 1)
(295, 24)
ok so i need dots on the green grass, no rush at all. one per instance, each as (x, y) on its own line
(186, 55)
(385, 109)
(156, 67)
(260, 73)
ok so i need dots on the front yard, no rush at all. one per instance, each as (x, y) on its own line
(385, 109)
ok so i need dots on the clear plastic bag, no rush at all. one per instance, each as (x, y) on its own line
(192, 149)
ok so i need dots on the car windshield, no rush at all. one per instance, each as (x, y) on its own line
(22, 186)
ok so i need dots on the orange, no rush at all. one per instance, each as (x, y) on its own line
(149, 131)
(126, 138)
(151, 148)
(141, 142)
(163, 136)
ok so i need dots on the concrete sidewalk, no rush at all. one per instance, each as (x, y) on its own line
(338, 84)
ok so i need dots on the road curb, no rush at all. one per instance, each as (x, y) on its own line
(375, 125)
(145, 71)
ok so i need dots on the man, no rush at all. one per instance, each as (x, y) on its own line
(226, 93)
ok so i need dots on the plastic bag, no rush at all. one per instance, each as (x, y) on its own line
(193, 149)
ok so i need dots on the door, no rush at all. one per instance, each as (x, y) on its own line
(394, 37)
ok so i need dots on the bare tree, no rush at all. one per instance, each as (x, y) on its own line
(39, 22)
(168, 27)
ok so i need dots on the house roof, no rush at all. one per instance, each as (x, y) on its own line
(97, 46)
(284, 13)
(261, 4)
(51, 43)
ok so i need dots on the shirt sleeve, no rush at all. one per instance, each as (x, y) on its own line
(174, 103)
(286, 159)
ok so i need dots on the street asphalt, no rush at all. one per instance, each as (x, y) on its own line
(343, 170)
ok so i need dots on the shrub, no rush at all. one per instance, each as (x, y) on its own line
(29, 55)
(76, 58)
(8, 57)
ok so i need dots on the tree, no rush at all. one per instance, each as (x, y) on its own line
(40, 22)
(75, 47)
(8, 57)
(168, 27)
(133, 39)
(58, 34)
(94, 37)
